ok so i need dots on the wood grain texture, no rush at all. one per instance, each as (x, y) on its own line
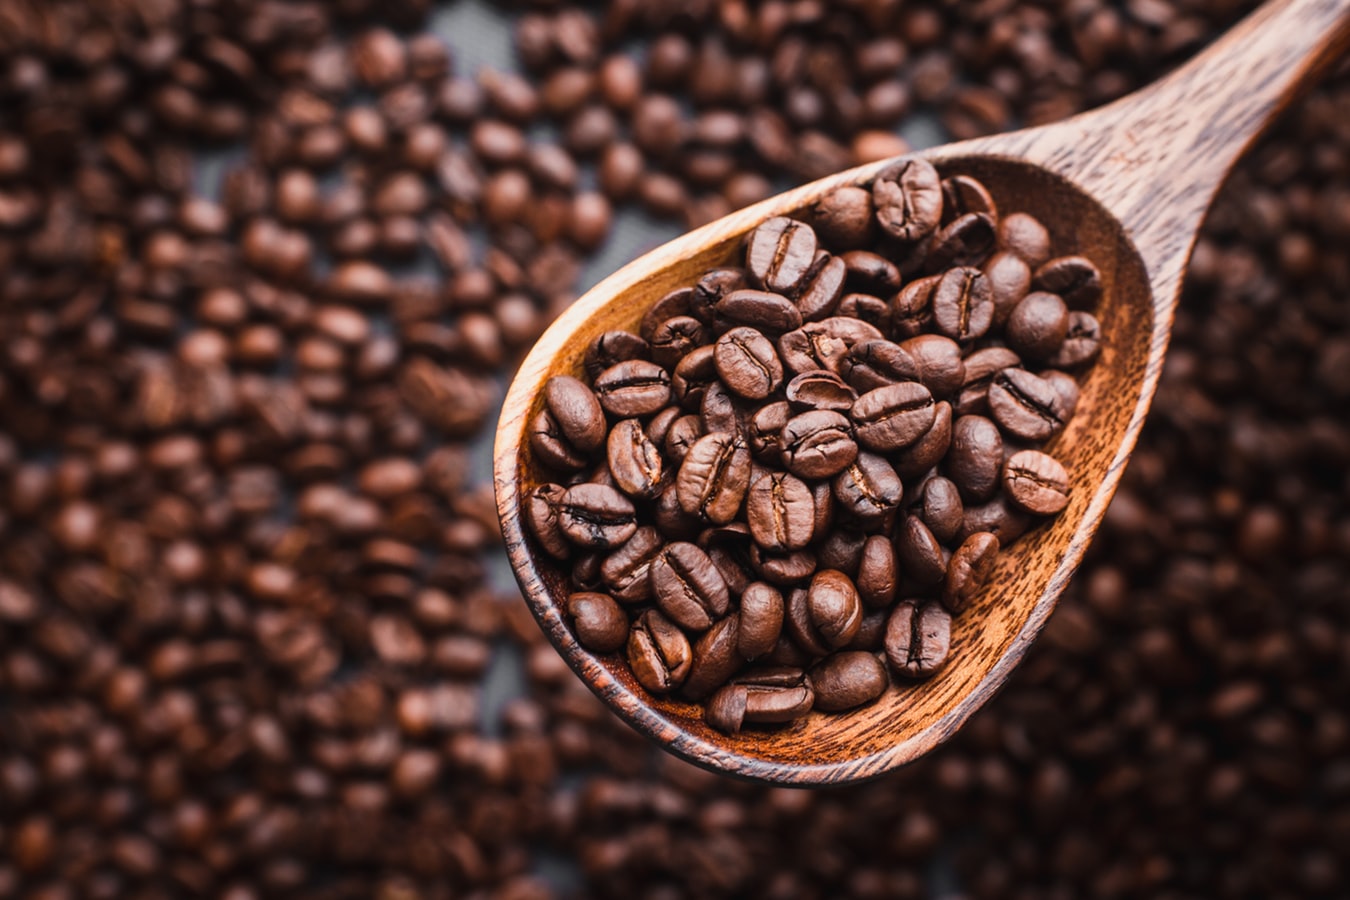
(1126, 185)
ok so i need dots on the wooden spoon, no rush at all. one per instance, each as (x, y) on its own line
(1126, 185)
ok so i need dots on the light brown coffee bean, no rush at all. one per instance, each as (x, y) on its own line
(1037, 482)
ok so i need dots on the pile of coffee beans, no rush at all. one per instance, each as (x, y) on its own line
(776, 472)
(256, 636)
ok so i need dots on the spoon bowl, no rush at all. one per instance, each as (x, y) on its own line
(1125, 186)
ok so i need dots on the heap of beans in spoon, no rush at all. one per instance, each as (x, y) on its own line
(775, 497)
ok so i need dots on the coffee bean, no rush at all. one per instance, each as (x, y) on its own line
(593, 515)
(810, 348)
(780, 511)
(658, 428)
(767, 696)
(674, 338)
(969, 569)
(980, 368)
(843, 217)
(834, 608)
(723, 411)
(1009, 279)
(711, 287)
(748, 363)
(1067, 388)
(1038, 325)
(928, 450)
(866, 308)
(694, 373)
(962, 195)
(891, 417)
(919, 552)
(684, 433)
(818, 444)
(868, 488)
(1081, 345)
(714, 477)
(912, 307)
(765, 432)
(918, 638)
(938, 363)
(626, 573)
(940, 508)
(716, 658)
(1037, 482)
(1024, 236)
(782, 569)
(799, 625)
(908, 199)
(676, 303)
(1073, 278)
(599, 623)
(658, 653)
(847, 680)
(1000, 518)
(818, 295)
(975, 458)
(842, 549)
(877, 573)
(634, 461)
(870, 272)
(873, 364)
(779, 253)
(762, 310)
(541, 515)
(761, 620)
(1026, 405)
(633, 389)
(820, 389)
(688, 587)
(963, 305)
(551, 446)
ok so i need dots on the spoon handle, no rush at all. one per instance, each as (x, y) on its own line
(1156, 158)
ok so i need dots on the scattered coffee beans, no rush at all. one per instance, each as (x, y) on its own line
(817, 425)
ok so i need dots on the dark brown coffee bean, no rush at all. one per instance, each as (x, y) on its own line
(1023, 235)
(999, 517)
(818, 444)
(962, 195)
(747, 363)
(634, 461)
(782, 569)
(1073, 278)
(975, 458)
(919, 552)
(679, 302)
(798, 625)
(980, 368)
(779, 253)
(891, 417)
(1067, 387)
(1082, 344)
(939, 363)
(873, 364)
(658, 429)
(780, 512)
(818, 295)
(843, 217)
(552, 447)
(877, 574)
(611, 348)
(767, 312)
(969, 569)
(912, 307)
(842, 549)
(867, 308)
(761, 620)
(693, 375)
(768, 696)
(847, 680)
(711, 287)
(907, 198)
(599, 623)
(672, 521)
(968, 241)
(1026, 405)
(577, 411)
(963, 306)
(918, 638)
(868, 488)
(688, 587)
(834, 607)
(927, 451)
(1038, 326)
(684, 433)
(633, 389)
(806, 350)
(765, 431)
(870, 272)
(1037, 482)
(729, 549)
(820, 389)
(674, 338)
(714, 477)
(716, 658)
(586, 572)
(626, 573)
(593, 515)
(1009, 279)
(658, 653)
(541, 516)
(940, 508)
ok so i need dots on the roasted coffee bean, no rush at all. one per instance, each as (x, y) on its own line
(586, 572)
(711, 287)
(674, 338)
(907, 198)
(963, 305)
(918, 638)
(634, 461)
(980, 369)
(723, 411)
(552, 447)
(693, 375)
(866, 308)
(834, 607)
(820, 389)
(611, 348)
(658, 428)
(764, 311)
(847, 680)
(1009, 279)
(818, 444)
(1067, 388)
(541, 515)
(779, 253)
(1026, 405)
(891, 417)
(975, 458)
(658, 653)
(799, 626)
(1081, 345)
(818, 295)
(597, 516)
(599, 623)
(688, 587)
(714, 477)
(717, 657)
(969, 569)
(842, 549)
(968, 241)
(877, 574)
(927, 451)
(633, 389)
(873, 364)
(672, 521)
(919, 552)
(730, 553)
(767, 696)
(1023, 235)
(1074, 278)
(684, 433)
(780, 511)
(747, 363)
(765, 431)
(1038, 326)
(626, 573)
(870, 272)
(912, 307)
(679, 302)
(1037, 482)
(940, 508)
(868, 488)
(962, 195)
(761, 620)
(782, 569)
(843, 217)
(999, 517)
(939, 364)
